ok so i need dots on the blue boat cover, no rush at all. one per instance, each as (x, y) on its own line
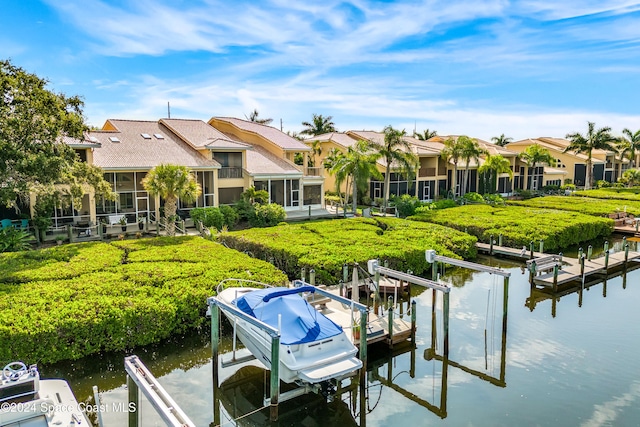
(301, 323)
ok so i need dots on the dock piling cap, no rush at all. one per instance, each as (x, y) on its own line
(372, 266)
(430, 256)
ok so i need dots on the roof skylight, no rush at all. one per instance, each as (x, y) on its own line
(114, 139)
(93, 139)
(145, 135)
(158, 136)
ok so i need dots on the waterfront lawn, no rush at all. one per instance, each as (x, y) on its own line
(520, 225)
(585, 205)
(325, 245)
(70, 301)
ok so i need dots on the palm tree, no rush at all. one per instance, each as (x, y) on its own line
(171, 182)
(253, 117)
(534, 155)
(356, 167)
(501, 140)
(396, 152)
(631, 177)
(471, 150)
(452, 151)
(426, 134)
(629, 145)
(318, 125)
(491, 168)
(600, 139)
(316, 150)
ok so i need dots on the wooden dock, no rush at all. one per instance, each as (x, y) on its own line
(570, 268)
(377, 326)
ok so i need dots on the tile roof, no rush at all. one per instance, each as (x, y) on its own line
(135, 152)
(336, 137)
(202, 135)
(269, 133)
(262, 162)
(555, 147)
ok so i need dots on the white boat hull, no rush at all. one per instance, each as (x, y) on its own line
(314, 362)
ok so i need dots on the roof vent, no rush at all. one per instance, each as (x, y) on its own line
(145, 135)
(114, 139)
(158, 136)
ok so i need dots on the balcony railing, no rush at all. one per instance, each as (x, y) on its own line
(229, 173)
(427, 172)
(313, 171)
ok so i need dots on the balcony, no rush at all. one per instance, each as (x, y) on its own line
(230, 173)
(427, 172)
(313, 171)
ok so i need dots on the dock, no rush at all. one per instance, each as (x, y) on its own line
(556, 270)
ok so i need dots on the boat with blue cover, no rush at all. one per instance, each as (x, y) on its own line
(313, 348)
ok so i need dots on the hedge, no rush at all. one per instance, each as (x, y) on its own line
(520, 225)
(585, 205)
(75, 300)
(325, 245)
(632, 193)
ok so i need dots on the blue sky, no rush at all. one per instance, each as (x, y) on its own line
(482, 68)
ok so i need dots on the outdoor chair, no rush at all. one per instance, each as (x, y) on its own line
(6, 223)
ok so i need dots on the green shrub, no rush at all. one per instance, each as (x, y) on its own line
(231, 216)
(267, 215)
(210, 217)
(520, 225)
(493, 199)
(13, 240)
(586, 205)
(472, 197)
(74, 300)
(326, 245)
(406, 205)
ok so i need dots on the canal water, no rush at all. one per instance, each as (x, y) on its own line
(569, 359)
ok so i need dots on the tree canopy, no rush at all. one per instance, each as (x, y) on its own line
(34, 157)
(600, 139)
(501, 140)
(318, 125)
(253, 117)
(425, 135)
(171, 182)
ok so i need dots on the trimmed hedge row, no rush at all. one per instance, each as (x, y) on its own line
(632, 193)
(520, 225)
(585, 205)
(326, 245)
(75, 300)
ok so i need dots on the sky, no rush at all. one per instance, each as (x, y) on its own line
(481, 68)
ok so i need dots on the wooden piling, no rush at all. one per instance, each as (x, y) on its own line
(491, 245)
(133, 402)
(555, 278)
(275, 377)
(589, 252)
(531, 250)
(413, 321)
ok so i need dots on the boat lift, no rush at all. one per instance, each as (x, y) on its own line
(275, 397)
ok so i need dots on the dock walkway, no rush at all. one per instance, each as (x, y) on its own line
(570, 269)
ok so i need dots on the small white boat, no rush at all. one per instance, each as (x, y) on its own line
(313, 348)
(28, 401)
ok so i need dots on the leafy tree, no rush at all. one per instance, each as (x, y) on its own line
(397, 154)
(452, 151)
(629, 145)
(534, 155)
(318, 125)
(600, 139)
(471, 150)
(248, 201)
(491, 168)
(171, 182)
(316, 150)
(253, 117)
(425, 135)
(356, 167)
(34, 157)
(501, 140)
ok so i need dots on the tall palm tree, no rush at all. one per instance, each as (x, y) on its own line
(629, 145)
(426, 134)
(171, 182)
(491, 168)
(452, 152)
(319, 125)
(501, 140)
(397, 154)
(471, 150)
(356, 167)
(253, 117)
(535, 155)
(600, 139)
(316, 150)
(631, 177)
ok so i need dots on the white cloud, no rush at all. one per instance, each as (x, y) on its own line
(605, 414)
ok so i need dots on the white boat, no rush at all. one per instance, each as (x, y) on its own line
(28, 401)
(313, 348)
